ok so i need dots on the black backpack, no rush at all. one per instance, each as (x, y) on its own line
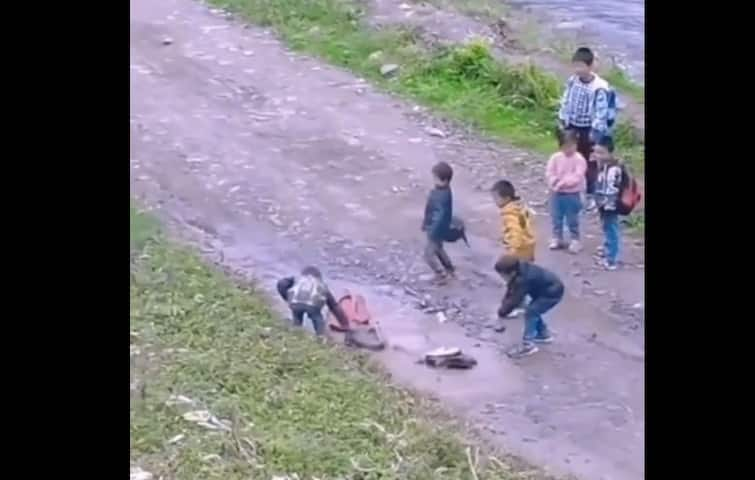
(456, 231)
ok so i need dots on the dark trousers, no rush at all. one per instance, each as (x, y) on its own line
(434, 252)
(534, 326)
(315, 316)
(584, 147)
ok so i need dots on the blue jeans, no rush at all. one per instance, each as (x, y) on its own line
(610, 222)
(315, 316)
(565, 206)
(534, 326)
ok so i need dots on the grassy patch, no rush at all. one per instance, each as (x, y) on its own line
(294, 405)
(515, 103)
(621, 81)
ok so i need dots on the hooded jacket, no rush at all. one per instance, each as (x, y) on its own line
(517, 232)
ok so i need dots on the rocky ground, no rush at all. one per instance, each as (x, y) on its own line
(268, 161)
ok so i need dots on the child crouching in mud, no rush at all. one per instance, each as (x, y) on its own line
(307, 294)
(545, 290)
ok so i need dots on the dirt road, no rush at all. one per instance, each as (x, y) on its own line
(270, 161)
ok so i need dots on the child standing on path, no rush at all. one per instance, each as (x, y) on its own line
(544, 288)
(437, 220)
(587, 107)
(607, 189)
(565, 174)
(517, 233)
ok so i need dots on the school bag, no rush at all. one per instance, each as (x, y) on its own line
(456, 231)
(629, 193)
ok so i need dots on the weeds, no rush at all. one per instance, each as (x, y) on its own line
(621, 81)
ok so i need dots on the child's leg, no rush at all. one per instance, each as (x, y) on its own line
(297, 314)
(557, 217)
(536, 309)
(318, 323)
(445, 260)
(572, 207)
(431, 256)
(610, 223)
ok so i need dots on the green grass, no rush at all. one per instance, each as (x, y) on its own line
(514, 103)
(621, 81)
(295, 405)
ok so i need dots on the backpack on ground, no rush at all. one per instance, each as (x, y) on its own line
(363, 333)
(456, 231)
(629, 193)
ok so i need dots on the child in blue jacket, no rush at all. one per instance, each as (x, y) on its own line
(437, 221)
(545, 290)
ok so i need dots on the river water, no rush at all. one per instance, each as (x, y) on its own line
(615, 26)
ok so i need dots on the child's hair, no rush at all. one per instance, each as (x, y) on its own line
(311, 271)
(504, 189)
(584, 55)
(506, 264)
(567, 136)
(606, 142)
(443, 171)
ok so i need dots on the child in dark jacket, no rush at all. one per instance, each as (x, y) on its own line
(545, 290)
(607, 190)
(307, 294)
(437, 220)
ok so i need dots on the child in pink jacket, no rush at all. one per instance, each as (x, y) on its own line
(566, 178)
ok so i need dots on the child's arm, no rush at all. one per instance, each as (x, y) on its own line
(600, 117)
(283, 286)
(515, 293)
(562, 112)
(575, 177)
(437, 207)
(550, 173)
(337, 311)
(513, 232)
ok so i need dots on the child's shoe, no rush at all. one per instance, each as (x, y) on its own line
(610, 266)
(517, 312)
(522, 350)
(575, 247)
(543, 339)
(556, 244)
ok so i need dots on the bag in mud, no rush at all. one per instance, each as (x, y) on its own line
(456, 231)
(362, 332)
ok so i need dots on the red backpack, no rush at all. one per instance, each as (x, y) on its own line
(629, 193)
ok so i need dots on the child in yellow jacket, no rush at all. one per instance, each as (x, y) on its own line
(518, 235)
(517, 232)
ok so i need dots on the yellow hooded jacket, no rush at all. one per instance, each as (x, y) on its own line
(518, 231)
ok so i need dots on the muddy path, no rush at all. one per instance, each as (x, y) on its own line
(268, 161)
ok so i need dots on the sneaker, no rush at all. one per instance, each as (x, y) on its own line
(544, 339)
(610, 266)
(515, 313)
(575, 247)
(556, 244)
(590, 205)
(524, 349)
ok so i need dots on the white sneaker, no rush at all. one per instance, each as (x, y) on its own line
(515, 313)
(555, 244)
(575, 247)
